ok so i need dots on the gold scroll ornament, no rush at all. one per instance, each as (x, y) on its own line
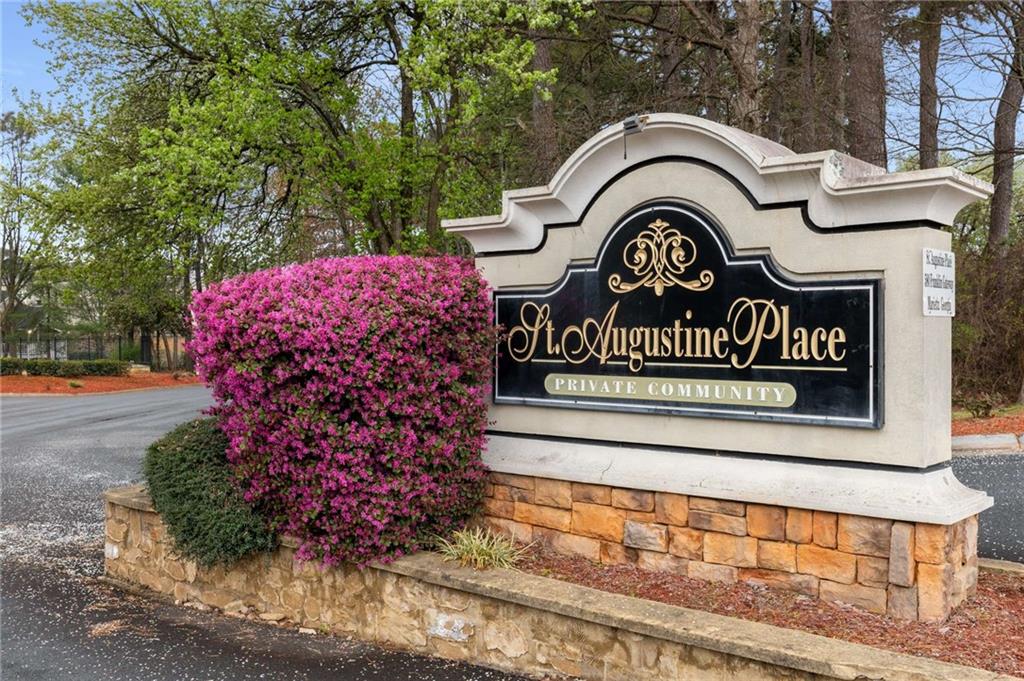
(659, 257)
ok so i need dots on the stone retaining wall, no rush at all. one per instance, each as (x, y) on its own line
(913, 571)
(500, 618)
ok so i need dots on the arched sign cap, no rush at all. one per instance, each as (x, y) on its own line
(838, 190)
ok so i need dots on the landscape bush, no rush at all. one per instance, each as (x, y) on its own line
(194, 491)
(10, 366)
(353, 392)
(988, 330)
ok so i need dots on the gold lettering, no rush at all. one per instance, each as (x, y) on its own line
(651, 347)
(836, 337)
(619, 341)
(590, 340)
(522, 339)
(749, 319)
(703, 344)
(751, 325)
(800, 341)
(818, 333)
(785, 333)
(721, 336)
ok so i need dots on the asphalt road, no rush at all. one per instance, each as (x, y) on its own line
(1001, 528)
(59, 622)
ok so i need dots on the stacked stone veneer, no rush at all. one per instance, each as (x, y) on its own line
(501, 618)
(914, 571)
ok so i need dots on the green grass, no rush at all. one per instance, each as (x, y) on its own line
(1011, 410)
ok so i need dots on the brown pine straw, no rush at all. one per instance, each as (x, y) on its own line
(987, 631)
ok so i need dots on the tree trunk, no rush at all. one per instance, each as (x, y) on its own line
(545, 133)
(930, 26)
(777, 115)
(669, 58)
(434, 202)
(714, 45)
(1020, 395)
(383, 234)
(1004, 143)
(200, 261)
(865, 92)
(709, 86)
(809, 135)
(145, 347)
(837, 72)
(743, 57)
(401, 214)
(167, 351)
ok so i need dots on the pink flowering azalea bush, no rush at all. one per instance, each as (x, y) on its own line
(353, 393)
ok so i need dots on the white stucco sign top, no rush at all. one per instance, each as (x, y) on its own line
(819, 221)
(939, 283)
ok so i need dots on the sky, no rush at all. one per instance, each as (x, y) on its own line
(22, 63)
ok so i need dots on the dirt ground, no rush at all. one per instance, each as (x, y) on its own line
(987, 631)
(90, 384)
(1010, 420)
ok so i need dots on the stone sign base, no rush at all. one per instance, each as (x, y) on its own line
(500, 618)
(913, 571)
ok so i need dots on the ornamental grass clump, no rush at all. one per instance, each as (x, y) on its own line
(353, 392)
(481, 548)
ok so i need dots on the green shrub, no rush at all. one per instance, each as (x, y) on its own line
(11, 366)
(481, 549)
(194, 491)
(53, 367)
(63, 368)
(980, 405)
(104, 367)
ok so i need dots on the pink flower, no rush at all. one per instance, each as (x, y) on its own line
(353, 395)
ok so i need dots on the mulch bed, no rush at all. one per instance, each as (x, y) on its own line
(50, 385)
(987, 631)
(1013, 423)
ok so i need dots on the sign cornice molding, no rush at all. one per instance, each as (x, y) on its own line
(838, 190)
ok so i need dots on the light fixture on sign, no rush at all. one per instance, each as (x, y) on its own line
(632, 126)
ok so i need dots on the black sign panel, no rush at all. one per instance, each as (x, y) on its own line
(669, 320)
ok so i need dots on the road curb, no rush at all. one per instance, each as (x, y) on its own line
(999, 442)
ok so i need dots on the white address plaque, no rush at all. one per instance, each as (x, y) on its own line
(939, 292)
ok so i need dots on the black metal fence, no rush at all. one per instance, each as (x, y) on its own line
(159, 352)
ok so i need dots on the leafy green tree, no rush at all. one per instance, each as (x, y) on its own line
(17, 133)
(252, 130)
(197, 140)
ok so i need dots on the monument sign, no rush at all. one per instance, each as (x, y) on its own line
(739, 344)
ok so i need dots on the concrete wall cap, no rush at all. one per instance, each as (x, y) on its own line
(130, 496)
(839, 190)
(773, 645)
